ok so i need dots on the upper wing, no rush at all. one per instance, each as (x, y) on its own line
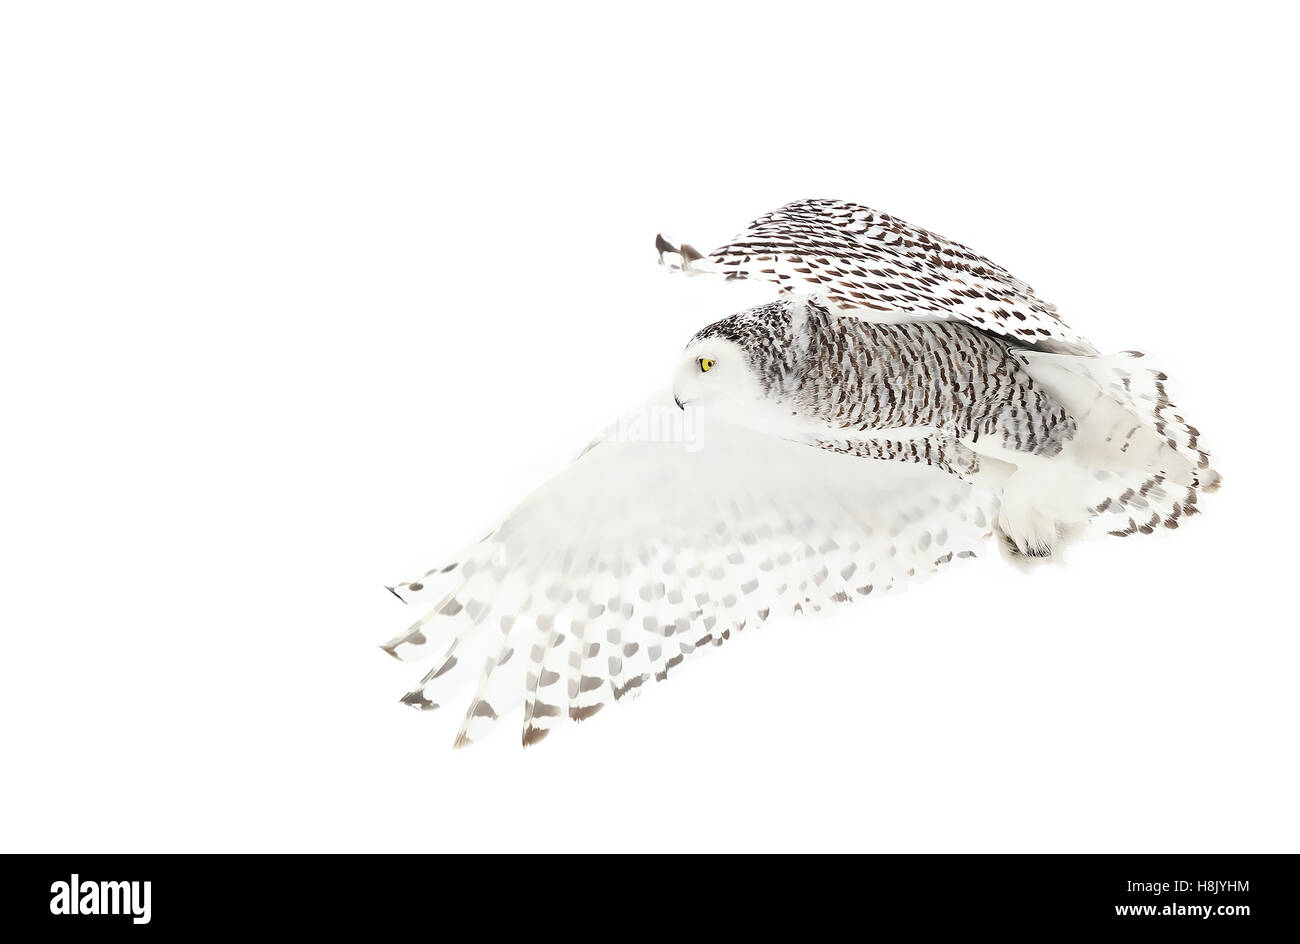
(872, 264)
(669, 535)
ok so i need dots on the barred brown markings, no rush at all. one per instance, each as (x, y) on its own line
(416, 699)
(577, 713)
(632, 683)
(669, 666)
(441, 670)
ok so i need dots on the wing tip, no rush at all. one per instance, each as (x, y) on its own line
(416, 700)
(534, 735)
(580, 713)
(686, 254)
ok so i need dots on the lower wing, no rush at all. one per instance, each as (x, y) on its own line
(669, 535)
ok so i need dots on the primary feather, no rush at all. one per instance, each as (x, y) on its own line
(659, 548)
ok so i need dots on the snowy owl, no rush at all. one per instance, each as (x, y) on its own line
(900, 405)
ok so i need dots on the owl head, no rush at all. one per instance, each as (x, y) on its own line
(741, 363)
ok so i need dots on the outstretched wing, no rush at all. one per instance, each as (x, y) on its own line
(881, 268)
(670, 535)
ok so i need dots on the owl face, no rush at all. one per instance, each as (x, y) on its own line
(738, 368)
(716, 373)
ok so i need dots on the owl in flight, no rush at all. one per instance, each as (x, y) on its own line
(902, 403)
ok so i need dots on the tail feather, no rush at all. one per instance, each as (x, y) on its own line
(1148, 466)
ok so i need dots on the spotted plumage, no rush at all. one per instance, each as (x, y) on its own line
(812, 451)
(650, 550)
(857, 376)
(859, 259)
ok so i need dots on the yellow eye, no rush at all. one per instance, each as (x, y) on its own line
(706, 365)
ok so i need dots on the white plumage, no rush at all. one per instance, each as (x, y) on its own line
(815, 461)
(645, 550)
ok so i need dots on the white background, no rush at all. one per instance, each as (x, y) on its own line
(297, 298)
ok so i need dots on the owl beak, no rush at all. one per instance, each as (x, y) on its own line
(678, 401)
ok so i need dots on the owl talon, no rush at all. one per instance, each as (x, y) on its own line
(1028, 531)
